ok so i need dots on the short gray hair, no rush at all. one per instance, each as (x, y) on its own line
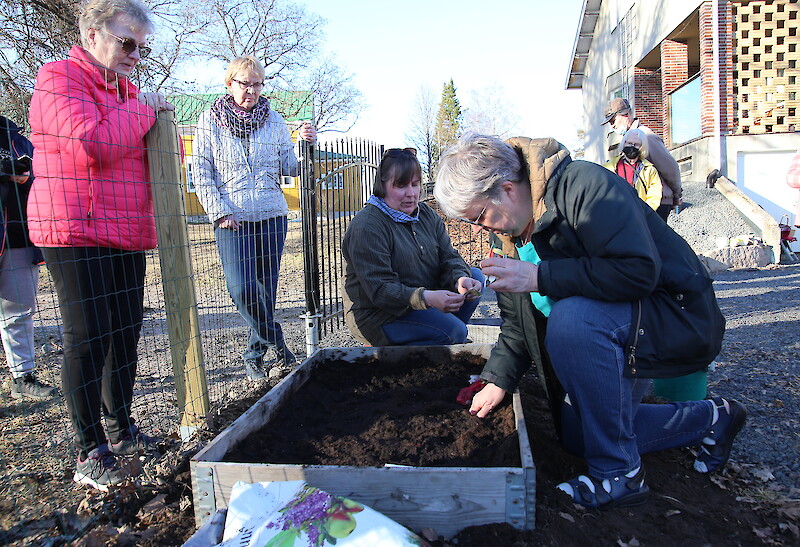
(97, 13)
(473, 168)
(644, 149)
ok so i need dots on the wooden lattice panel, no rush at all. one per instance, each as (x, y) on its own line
(767, 66)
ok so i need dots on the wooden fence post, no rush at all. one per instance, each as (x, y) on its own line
(163, 154)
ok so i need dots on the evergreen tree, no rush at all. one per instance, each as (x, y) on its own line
(448, 121)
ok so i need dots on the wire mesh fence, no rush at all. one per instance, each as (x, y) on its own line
(193, 336)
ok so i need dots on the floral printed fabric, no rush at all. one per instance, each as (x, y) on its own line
(294, 514)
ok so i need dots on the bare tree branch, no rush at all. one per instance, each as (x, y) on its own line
(283, 35)
(422, 130)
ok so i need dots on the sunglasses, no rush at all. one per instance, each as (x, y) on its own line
(397, 152)
(257, 86)
(129, 45)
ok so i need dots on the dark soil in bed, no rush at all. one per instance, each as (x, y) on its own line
(356, 415)
(371, 413)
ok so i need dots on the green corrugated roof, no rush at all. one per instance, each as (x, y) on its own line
(292, 105)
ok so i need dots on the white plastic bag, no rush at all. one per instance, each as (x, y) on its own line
(294, 514)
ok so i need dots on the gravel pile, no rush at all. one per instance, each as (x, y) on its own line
(705, 216)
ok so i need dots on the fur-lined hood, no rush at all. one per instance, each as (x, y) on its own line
(540, 159)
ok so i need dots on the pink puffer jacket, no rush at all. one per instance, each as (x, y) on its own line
(92, 186)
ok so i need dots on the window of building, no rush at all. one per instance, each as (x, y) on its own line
(288, 182)
(333, 181)
(685, 112)
(190, 188)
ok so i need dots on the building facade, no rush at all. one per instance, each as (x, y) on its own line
(716, 79)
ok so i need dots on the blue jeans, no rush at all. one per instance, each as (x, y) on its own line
(605, 421)
(432, 327)
(251, 260)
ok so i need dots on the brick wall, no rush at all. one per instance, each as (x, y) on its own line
(727, 61)
(674, 73)
(765, 67)
(648, 100)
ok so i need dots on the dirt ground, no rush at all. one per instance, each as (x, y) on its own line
(410, 417)
(39, 504)
(684, 508)
(372, 413)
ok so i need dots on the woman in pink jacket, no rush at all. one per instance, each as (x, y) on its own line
(90, 210)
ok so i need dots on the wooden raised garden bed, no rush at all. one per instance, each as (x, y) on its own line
(447, 499)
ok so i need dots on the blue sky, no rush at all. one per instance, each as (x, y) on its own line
(521, 47)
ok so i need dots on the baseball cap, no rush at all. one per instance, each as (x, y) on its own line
(615, 107)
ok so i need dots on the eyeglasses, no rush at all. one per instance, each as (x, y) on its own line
(257, 86)
(397, 152)
(129, 45)
(477, 221)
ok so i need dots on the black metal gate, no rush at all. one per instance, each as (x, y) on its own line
(336, 181)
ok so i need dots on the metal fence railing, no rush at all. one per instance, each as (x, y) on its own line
(344, 172)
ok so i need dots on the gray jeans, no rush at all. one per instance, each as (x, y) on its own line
(19, 281)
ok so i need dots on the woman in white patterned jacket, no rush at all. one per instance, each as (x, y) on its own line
(241, 149)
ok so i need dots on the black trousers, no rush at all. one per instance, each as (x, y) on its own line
(664, 210)
(100, 296)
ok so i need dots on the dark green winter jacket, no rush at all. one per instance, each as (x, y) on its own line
(598, 240)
